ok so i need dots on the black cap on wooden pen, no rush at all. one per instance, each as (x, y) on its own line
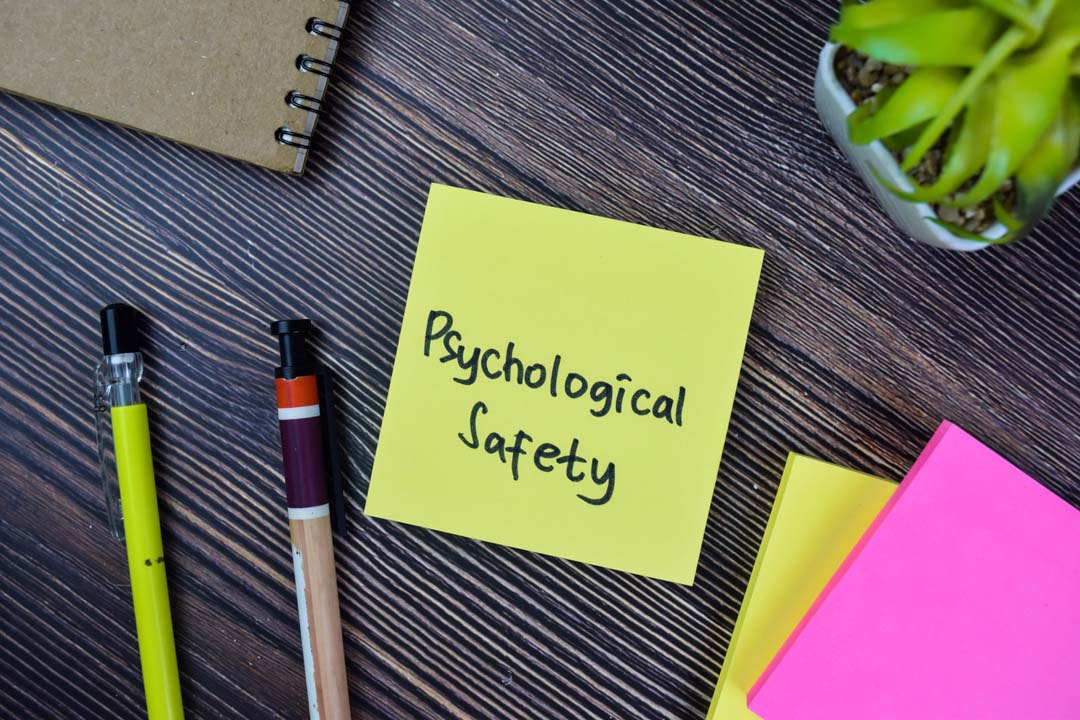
(292, 338)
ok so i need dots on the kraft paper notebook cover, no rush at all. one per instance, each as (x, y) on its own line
(820, 512)
(961, 602)
(243, 78)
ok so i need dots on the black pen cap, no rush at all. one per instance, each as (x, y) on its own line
(292, 338)
(119, 329)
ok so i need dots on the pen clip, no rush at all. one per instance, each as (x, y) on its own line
(106, 450)
(331, 449)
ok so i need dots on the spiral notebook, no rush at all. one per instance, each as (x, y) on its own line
(243, 78)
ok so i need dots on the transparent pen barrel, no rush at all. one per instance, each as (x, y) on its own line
(117, 385)
(118, 379)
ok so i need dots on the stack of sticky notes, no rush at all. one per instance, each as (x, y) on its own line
(956, 597)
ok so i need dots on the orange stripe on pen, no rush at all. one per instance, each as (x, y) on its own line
(300, 392)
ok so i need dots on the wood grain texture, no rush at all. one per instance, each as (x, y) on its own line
(691, 116)
(322, 640)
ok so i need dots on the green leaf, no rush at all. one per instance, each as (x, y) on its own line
(1029, 100)
(917, 100)
(969, 143)
(1064, 21)
(1006, 218)
(1039, 176)
(949, 37)
(1048, 164)
(1005, 46)
(876, 13)
(902, 140)
(1016, 11)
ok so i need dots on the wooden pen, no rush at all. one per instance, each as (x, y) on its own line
(306, 444)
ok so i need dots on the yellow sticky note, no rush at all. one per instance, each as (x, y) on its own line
(820, 512)
(563, 383)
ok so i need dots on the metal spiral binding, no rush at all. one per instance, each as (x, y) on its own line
(317, 26)
(285, 136)
(297, 99)
(306, 63)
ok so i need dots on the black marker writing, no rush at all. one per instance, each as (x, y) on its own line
(620, 396)
(510, 452)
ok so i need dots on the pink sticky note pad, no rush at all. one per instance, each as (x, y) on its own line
(961, 601)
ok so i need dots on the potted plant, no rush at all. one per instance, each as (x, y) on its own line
(962, 116)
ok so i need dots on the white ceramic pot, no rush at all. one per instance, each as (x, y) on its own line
(834, 106)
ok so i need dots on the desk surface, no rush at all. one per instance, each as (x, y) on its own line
(681, 115)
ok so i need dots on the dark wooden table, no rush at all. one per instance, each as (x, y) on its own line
(692, 116)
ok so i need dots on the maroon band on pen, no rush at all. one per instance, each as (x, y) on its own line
(301, 441)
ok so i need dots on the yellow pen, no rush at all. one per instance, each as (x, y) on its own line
(130, 494)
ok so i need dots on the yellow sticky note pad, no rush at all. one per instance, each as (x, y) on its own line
(563, 383)
(820, 512)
